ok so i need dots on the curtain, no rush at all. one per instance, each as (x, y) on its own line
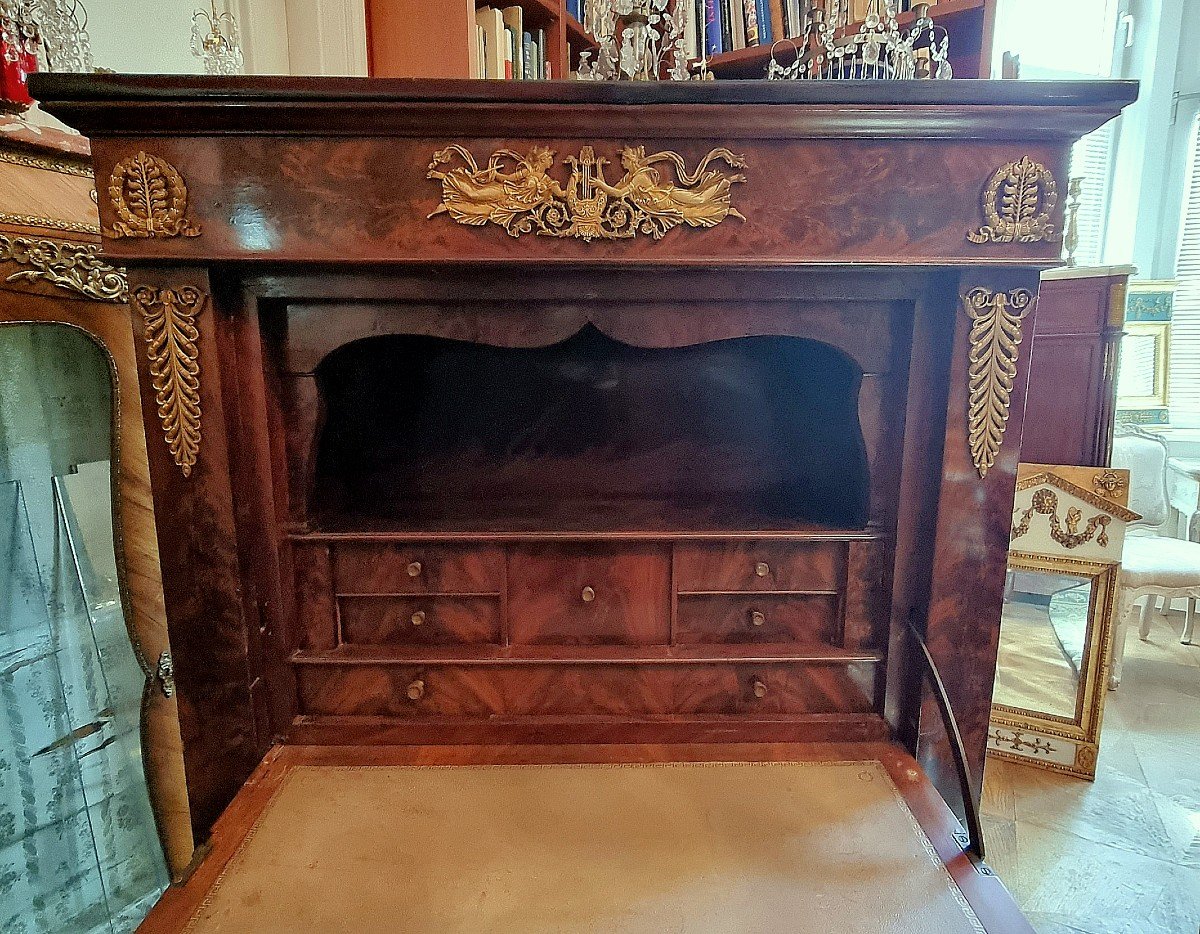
(78, 847)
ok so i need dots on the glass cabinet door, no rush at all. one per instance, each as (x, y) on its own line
(79, 851)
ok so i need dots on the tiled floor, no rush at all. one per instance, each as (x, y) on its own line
(1122, 854)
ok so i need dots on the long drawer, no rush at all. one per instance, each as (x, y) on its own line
(585, 689)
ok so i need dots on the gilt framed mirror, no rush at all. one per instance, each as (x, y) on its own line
(1056, 627)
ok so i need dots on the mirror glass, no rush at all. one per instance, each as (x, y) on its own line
(1138, 376)
(79, 853)
(1043, 642)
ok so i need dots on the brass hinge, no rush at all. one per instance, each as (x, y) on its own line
(165, 673)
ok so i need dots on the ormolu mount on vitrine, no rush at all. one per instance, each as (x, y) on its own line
(573, 412)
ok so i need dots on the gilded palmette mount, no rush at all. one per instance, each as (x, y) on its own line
(149, 198)
(995, 341)
(172, 346)
(655, 194)
(1017, 203)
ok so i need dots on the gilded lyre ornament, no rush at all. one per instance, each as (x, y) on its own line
(995, 340)
(75, 267)
(517, 192)
(1017, 204)
(149, 198)
(171, 340)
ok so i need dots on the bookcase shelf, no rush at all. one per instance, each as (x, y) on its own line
(436, 38)
(970, 24)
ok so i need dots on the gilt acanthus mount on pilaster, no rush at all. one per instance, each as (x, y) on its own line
(995, 341)
(172, 338)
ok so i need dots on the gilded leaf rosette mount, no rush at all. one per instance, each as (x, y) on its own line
(1017, 205)
(149, 199)
(172, 338)
(995, 342)
(520, 192)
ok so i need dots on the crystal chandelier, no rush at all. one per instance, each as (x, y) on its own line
(65, 44)
(640, 40)
(877, 49)
(215, 41)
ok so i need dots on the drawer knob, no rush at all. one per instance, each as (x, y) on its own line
(757, 618)
(415, 690)
(759, 687)
(587, 594)
(762, 569)
(418, 618)
(415, 568)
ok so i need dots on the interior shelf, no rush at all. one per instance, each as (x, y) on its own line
(582, 655)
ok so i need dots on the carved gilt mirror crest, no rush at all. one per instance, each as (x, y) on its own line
(1056, 630)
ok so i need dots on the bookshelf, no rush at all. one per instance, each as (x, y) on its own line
(436, 38)
(970, 23)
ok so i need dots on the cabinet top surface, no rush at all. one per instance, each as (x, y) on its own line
(104, 105)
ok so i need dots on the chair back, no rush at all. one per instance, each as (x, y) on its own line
(1145, 456)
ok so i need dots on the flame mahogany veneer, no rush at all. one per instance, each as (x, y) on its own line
(385, 539)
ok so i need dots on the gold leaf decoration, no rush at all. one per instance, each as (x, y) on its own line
(149, 198)
(1017, 203)
(171, 341)
(995, 341)
(655, 194)
(75, 267)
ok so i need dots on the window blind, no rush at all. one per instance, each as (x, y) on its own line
(1091, 159)
(1184, 373)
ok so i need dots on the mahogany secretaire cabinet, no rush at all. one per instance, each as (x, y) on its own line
(566, 412)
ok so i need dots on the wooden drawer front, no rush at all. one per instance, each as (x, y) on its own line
(417, 568)
(419, 620)
(589, 595)
(730, 618)
(749, 566)
(585, 690)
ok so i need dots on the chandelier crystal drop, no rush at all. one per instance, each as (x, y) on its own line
(62, 27)
(215, 41)
(640, 40)
(832, 48)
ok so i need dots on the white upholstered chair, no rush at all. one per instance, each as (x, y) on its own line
(1152, 565)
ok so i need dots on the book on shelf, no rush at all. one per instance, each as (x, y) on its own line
(494, 41)
(737, 23)
(514, 22)
(714, 31)
(505, 49)
(750, 15)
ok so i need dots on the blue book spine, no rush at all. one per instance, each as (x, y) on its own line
(712, 28)
(763, 9)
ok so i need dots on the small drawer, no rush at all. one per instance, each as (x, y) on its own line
(481, 691)
(419, 620)
(739, 567)
(401, 568)
(810, 619)
(589, 595)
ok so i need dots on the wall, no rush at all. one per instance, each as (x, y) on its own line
(148, 36)
(303, 37)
